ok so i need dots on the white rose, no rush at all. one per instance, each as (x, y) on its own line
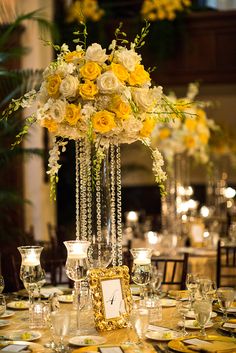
(57, 110)
(108, 83)
(96, 53)
(146, 98)
(128, 58)
(69, 86)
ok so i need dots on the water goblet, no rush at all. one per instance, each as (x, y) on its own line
(139, 319)
(142, 268)
(2, 284)
(155, 281)
(202, 310)
(192, 284)
(60, 321)
(183, 308)
(225, 296)
(2, 304)
(122, 311)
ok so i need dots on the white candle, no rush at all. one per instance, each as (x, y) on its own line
(31, 260)
(74, 255)
(142, 261)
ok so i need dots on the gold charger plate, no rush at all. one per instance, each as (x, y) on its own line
(179, 346)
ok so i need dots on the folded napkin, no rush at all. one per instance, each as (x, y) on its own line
(211, 346)
(46, 292)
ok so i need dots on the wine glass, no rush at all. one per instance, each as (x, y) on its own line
(2, 284)
(2, 304)
(77, 266)
(192, 284)
(139, 319)
(205, 285)
(60, 321)
(202, 310)
(225, 296)
(142, 268)
(156, 280)
(182, 308)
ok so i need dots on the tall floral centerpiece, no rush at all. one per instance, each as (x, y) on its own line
(100, 99)
(179, 140)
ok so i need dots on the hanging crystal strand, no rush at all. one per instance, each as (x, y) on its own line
(113, 205)
(118, 207)
(83, 196)
(89, 192)
(77, 196)
(98, 215)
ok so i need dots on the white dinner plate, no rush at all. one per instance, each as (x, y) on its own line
(87, 340)
(8, 313)
(192, 324)
(168, 302)
(66, 298)
(23, 335)
(163, 336)
(34, 347)
(191, 315)
(18, 305)
(4, 323)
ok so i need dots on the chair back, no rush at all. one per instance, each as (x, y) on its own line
(226, 265)
(174, 270)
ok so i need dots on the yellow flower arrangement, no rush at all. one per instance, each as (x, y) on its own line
(83, 10)
(104, 98)
(154, 10)
(191, 134)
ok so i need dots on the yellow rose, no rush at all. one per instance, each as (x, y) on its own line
(139, 76)
(121, 108)
(53, 85)
(88, 90)
(164, 133)
(73, 56)
(120, 71)
(72, 114)
(190, 124)
(103, 121)
(90, 71)
(189, 142)
(204, 137)
(201, 115)
(50, 124)
(148, 126)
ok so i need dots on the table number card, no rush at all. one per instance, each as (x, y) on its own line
(111, 297)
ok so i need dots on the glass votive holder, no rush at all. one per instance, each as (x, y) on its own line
(155, 309)
(37, 315)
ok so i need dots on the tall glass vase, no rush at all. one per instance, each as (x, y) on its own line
(177, 192)
(98, 202)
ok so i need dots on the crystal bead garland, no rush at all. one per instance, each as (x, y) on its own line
(98, 203)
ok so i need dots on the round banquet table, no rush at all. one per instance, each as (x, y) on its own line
(170, 319)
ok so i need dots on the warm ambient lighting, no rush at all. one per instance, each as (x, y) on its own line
(229, 193)
(204, 211)
(132, 216)
(152, 237)
(31, 259)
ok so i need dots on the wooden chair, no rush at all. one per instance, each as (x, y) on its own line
(226, 265)
(174, 270)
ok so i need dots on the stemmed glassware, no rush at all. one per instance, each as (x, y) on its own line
(2, 304)
(183, 308)
(77, 266)
(60, 321)
(155, 281)
(202, 310)
(139, 319)
(142, 268)
(192, 284)
(225, 296)
(2, 284)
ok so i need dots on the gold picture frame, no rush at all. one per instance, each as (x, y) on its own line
(111, 297)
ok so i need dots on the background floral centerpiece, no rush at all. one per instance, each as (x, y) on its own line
(99, 98)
